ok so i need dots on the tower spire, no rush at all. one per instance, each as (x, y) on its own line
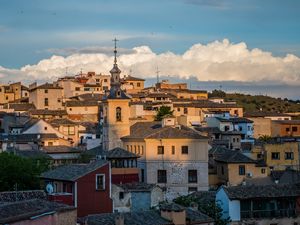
(115, 50)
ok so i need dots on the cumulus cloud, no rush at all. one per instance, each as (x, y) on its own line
(215, 61)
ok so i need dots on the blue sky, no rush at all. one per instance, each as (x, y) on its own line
(32, 30)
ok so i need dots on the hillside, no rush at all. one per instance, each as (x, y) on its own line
(252, 103)
(266, 103)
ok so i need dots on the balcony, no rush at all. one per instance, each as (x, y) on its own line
(280, 213)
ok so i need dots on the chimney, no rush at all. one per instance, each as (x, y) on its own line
(119, 219)
(173, 212)
(168, 120)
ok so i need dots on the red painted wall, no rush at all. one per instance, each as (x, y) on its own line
(62, 198)
(124, 178)
(90, 200)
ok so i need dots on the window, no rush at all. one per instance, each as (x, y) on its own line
(233, 139)
(138, 84)
(294, 129)
(178, 109)
(242, 170)
(161, 176)
(173, 150)
(192, 176)
(139, 150)
(58, 100)
(6, 97)
(45, 128)
(185, 110)
(289, 155)
(192, 189)
(263, 170)
(77, 88)
(46, 103)
(236, 112)
(142, 175)
(142, 150)
(121, 195)
(105, 80)
(287, 129)
(259, 156)
(240, 129)
(70, 109)
(46, 91)
(185, 150)
(275, 155)
(100, 182)
(50, 143)
(118, 114)
(226, 128)
(222, 170)
(97, 80)
(160, 150)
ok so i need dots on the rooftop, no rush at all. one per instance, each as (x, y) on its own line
(262, 191)
(72, 172)
(25, 210)
(154, 130)
(150, 217)
(232, 156)
(73, 103)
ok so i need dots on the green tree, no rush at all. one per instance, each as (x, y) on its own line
(24, 172)
(163, 111)
(210, 208)
(217, 93)
(265, 138)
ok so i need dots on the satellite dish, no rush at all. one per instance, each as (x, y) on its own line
(49, 188)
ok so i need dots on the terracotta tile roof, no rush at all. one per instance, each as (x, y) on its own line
(24, 210)
(130, 78)
(131, 218)
(233, 156)
(48, 112)
(57, 122)
(46, 86)
(205, 104)
(88, 97)
(155, 130)
(60, 149)
(19, 106)
(262, 191)
(264, 114)
(73, 171)
(81, 103)
(27, 137)
(116, 153)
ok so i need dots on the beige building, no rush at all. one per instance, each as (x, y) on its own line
(87, 111)
(46, 96)
(12, 92)
(262, 122)
(231, 167)
(173, 157)
(277, 156)
(132, 84)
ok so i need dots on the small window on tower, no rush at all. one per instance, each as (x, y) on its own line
(118, 114)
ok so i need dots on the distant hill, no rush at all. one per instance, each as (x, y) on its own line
(252, 103)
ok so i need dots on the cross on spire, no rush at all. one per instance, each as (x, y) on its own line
(115, 51)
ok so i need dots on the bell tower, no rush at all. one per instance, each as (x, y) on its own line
(116, 110)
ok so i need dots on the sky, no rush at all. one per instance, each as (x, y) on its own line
(213, 40)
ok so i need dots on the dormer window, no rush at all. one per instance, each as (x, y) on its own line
(118, 114)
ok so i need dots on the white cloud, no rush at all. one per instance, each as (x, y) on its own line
(215, 61)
